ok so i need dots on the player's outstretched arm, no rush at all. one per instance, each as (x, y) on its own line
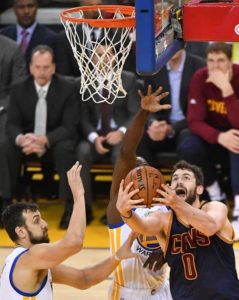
(44, 256)
(85, 278)
(151, 102)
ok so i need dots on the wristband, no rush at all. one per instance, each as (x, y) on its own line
(130, 215)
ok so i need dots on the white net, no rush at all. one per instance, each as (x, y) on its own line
(100, 54)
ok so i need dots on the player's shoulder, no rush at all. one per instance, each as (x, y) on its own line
(211, 205)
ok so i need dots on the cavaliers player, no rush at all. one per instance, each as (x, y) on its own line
(196, 236)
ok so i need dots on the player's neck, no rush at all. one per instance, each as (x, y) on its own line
(197, 203)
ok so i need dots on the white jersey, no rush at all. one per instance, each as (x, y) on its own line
(9, 291)
(130, 273)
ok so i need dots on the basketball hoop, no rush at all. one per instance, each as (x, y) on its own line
(100, 58)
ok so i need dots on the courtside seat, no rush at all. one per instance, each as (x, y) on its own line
(166, 159)
(34, 182)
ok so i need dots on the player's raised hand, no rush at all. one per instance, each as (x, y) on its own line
(152, 100)
(75, 181)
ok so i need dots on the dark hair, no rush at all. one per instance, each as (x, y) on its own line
(43, 49)
(182, 164)
(12, 217)
(220, 47)
(15, 2)
(141, 161)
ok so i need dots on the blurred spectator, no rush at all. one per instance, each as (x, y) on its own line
(87, 37)
(66, 63)
(28, 32)
(167, 128)
(213, 110)
(103, 126)
(197, 48)
(12, 67)
(41, 126)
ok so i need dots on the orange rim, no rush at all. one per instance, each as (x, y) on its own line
(107, 23)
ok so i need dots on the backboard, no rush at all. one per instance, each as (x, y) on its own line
(207, 20)
(158, 34)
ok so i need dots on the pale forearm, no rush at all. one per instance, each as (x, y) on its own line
(96, 274)
(138, 224)
(197, 218)
(76, 230)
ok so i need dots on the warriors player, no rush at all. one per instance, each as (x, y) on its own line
(131, 280)
(196, 236)
(31, 268)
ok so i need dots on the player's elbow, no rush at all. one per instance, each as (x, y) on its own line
(74, 245)
(83, 286)
(77, 244)
(210, 229)
(86, 279)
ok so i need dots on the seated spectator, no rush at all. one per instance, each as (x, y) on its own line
(167, 128)
(12, 67)
(28, 33)
(41, 126)
(66, 63)
(213, 110)
(88, 38)
(197, 48)
(103, 125)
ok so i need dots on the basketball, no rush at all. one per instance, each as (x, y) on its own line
(147, 179)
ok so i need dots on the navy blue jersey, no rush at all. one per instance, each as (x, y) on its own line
(202, 268)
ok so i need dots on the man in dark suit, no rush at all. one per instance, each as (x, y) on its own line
(12, 68)
(166, 129)
(66, 63)
(28, 32)
(54, 142)
(102, 142)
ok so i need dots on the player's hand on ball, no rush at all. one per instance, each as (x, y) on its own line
(147, 180)
(167, 196)
(124, 202)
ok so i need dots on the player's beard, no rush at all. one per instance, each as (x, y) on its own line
(38, 239)
(192, 195)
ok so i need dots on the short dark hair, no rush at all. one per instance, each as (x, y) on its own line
(182, 164)
(15, 2)
(12, 217)
(220, 47)
(43, 49)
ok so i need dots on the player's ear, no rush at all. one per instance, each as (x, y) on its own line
(20, 231)
(200, 189)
